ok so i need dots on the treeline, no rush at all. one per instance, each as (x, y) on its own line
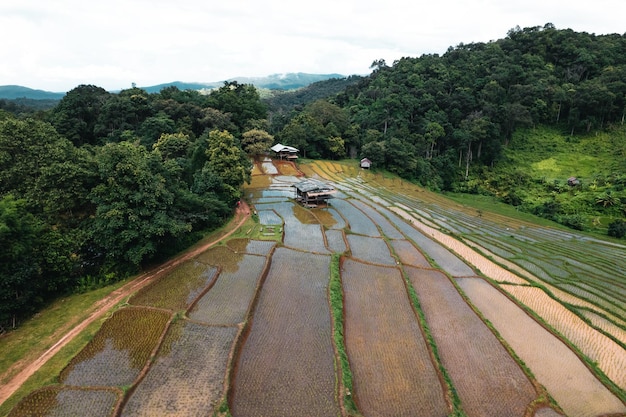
(106, 183)
(433, 118)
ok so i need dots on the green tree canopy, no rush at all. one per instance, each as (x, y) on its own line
(135, 212)
(77, 113)
(229, 162)
(256, 142)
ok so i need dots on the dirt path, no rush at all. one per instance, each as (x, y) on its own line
(103, 306)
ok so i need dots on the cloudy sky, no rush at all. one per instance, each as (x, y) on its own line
(56, 45)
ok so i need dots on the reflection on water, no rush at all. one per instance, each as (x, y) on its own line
(303, 215)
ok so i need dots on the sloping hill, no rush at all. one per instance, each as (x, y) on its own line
(18, 91)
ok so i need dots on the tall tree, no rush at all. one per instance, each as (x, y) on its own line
(229, 162)
(256, 142)
(241, 101)
(135, 213)
(77, 113)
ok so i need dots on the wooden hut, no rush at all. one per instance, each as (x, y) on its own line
(285, 152)
(366, 163)
(312, 192)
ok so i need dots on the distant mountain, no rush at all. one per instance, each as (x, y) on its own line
(289, 81)
(286, 82)
(17, 91)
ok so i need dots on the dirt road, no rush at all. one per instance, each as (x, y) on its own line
(103, 306)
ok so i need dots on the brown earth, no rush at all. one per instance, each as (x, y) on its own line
(26, 370)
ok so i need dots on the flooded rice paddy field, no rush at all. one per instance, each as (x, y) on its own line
(444, 311)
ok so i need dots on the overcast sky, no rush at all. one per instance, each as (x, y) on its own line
(56, 45)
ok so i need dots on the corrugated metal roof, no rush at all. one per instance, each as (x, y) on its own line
(283, 148)
(311, 184)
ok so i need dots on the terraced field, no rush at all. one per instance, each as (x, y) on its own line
(561, 289)
(443, 311)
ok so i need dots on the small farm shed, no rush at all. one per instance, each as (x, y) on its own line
(573, 181)
(366, 163)
(284, 151)
(311, 192)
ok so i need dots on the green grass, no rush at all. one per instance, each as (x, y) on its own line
(535, 167)
(336, 304)
(485, 203)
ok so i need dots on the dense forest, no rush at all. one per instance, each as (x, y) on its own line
(105, 183)
(449, 122)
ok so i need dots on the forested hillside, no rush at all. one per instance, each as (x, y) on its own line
(448, 121)
(105, 183)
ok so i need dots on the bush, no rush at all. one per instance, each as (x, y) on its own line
(617, 228)
(573, 221)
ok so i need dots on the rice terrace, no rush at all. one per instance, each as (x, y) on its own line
(389, 301)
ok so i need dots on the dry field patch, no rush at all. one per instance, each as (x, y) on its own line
(392, 368)
(577, 391)
(609, 327)
(286, 366)
(286, 167)
(487, 379)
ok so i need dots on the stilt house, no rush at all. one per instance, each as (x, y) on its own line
(312, 192)
(285, 152)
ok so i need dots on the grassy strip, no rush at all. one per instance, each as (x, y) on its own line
(457, 410)
(336, 306)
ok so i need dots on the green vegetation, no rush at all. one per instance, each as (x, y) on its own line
(336, 306)
(575, 181)
(513, 118)
(105, 184)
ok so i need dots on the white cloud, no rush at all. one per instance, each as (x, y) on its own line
(60, 44)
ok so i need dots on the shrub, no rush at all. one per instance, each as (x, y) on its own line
(573, 221)
(617, 228)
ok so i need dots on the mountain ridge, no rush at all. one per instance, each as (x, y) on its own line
(279, 81)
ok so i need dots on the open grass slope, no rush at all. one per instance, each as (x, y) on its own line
(534, 171)
(551, 154)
